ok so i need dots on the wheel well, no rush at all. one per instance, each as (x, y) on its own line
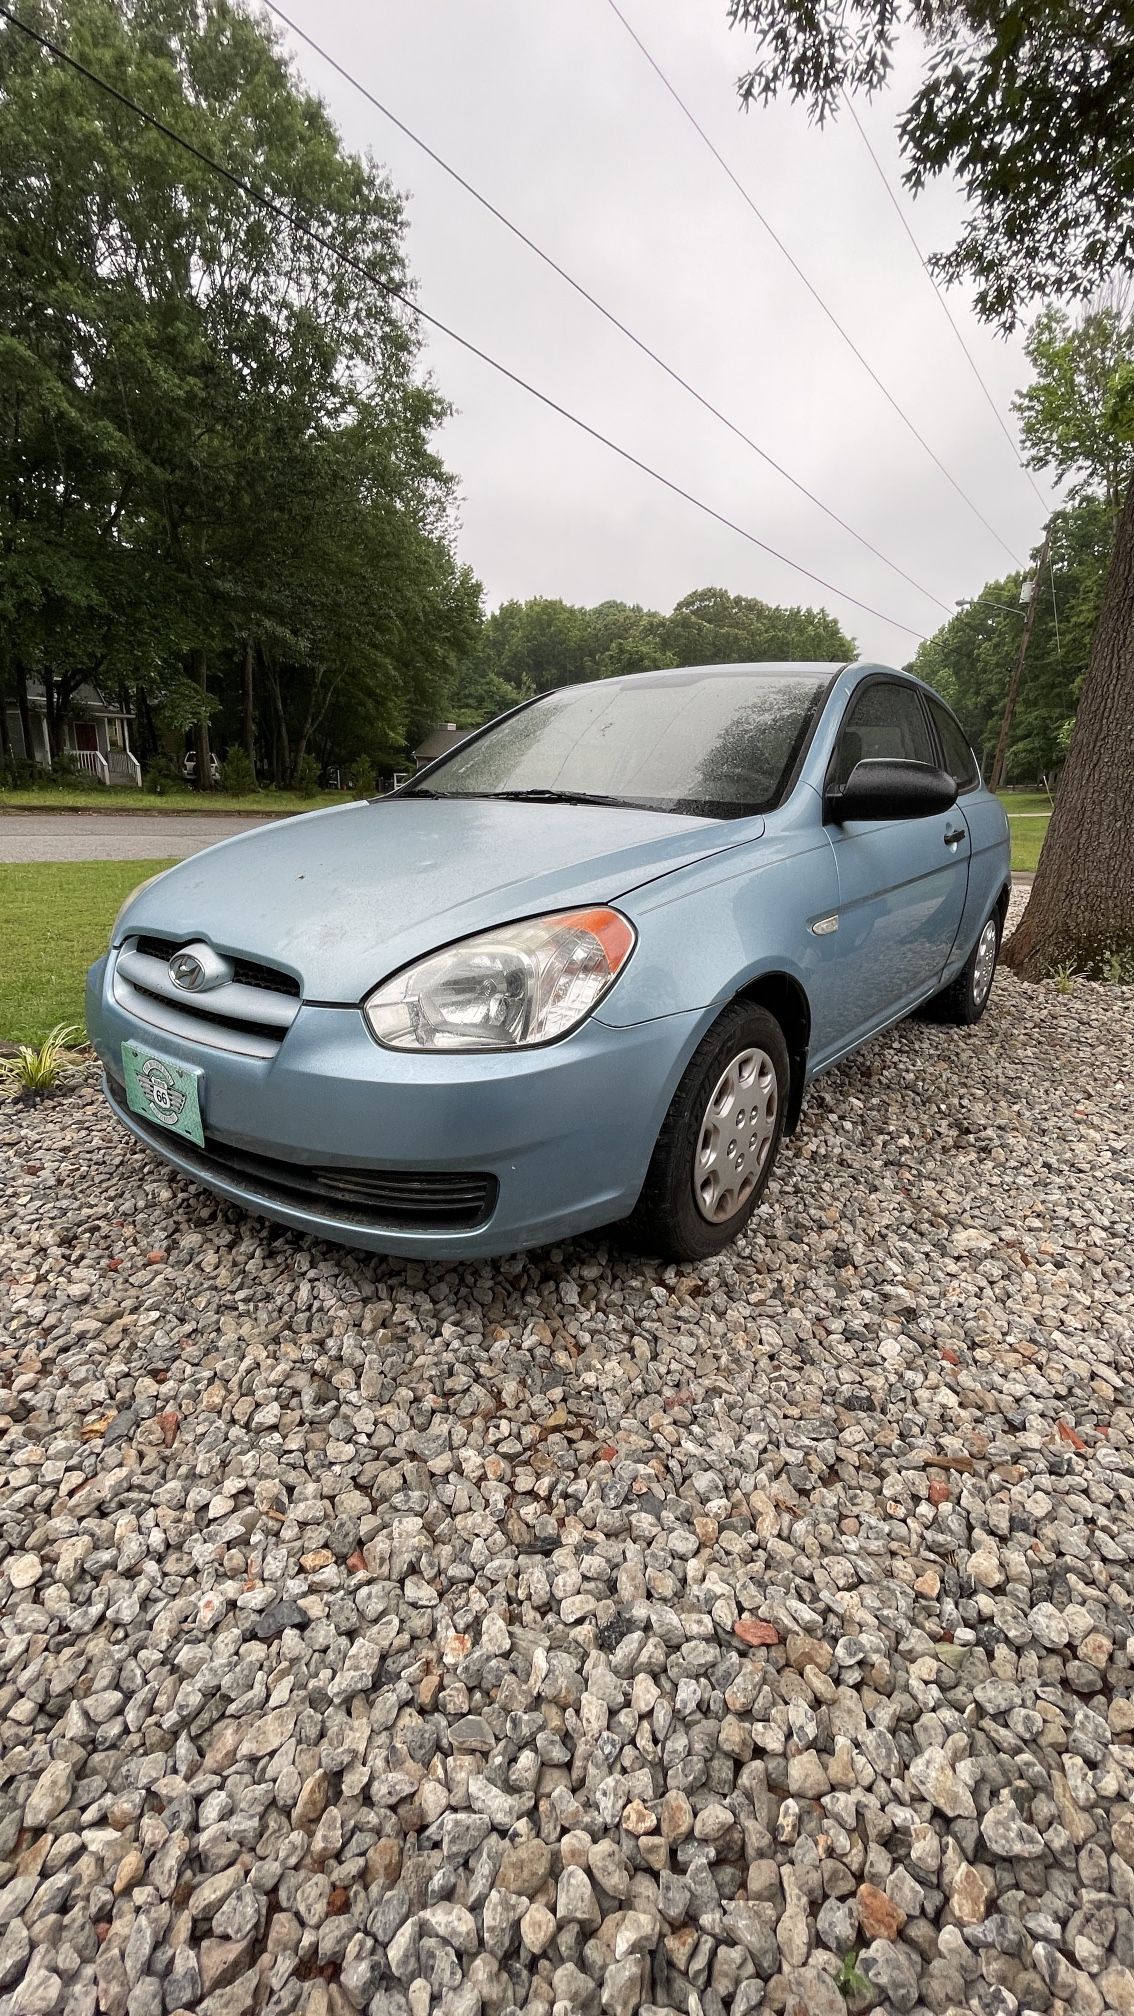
(784, 998)
(1002, 902)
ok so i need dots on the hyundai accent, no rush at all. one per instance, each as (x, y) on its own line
(579, 971)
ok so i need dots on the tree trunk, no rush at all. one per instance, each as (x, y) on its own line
(282, 744)
(53, 711)
(24, 711)
(5, 738)
(1082, 902)
(198, 666)
(249, 716)
(146, 735)
(1000, 759)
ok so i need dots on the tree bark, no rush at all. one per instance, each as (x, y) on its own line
(24, 710)
(198, 666)
(282, 745)
(1082, 903)
(249, 716)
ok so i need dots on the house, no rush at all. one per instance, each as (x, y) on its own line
(96, 736)
(439, 743)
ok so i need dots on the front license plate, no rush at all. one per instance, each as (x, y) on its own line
(160, 1090)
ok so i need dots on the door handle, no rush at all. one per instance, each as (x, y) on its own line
(953, 834)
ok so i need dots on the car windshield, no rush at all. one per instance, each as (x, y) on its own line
(719, 744)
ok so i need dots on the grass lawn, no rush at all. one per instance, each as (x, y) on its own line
(167, 801)
(55, 918)
(1024, 804)
(1028, 814)
(1027, 839)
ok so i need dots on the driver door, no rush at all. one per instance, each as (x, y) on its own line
(902, 882)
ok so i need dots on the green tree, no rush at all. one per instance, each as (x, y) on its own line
(1064, 412)
(970, 659)
(528, 647)
(1030, 104)
(216, 477)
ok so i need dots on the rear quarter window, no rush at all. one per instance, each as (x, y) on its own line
(959, 759)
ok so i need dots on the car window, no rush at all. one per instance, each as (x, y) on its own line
(885, 721)
(959, 759)
(718, 744)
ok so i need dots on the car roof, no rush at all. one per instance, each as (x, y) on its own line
(811, 670)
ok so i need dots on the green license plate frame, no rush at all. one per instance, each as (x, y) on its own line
(164, 1092)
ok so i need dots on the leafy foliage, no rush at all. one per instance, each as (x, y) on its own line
(1068, 420)
(211, 432)
(529, 647)
(1030, 104)
(850, 1980)
(37, 1070)
(970, 659)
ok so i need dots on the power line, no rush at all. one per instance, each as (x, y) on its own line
(585, 294)
(944, 305)
(811, 288)
(369, 273)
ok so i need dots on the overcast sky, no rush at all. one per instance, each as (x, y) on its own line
(554, 114)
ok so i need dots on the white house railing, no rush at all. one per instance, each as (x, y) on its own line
(91, 762)
(124, 768)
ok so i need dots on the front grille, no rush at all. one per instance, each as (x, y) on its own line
(438, 1201)
(248, 972)
(191, 1005)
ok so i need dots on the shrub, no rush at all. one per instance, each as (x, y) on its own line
(307, 777)
(360, 777)
(237, 773)
(162, 775)
(19, 773)
(36, 1071)
(65, 775)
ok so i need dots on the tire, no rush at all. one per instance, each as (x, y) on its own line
(691, 1177)
(965, 999)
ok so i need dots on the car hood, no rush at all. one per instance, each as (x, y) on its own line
(345, 897)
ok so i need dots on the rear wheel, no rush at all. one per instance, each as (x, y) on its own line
(965, 999)
(719, 1140)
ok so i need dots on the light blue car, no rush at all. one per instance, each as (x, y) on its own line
(579, 971)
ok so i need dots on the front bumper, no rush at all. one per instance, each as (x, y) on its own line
(565, 1133)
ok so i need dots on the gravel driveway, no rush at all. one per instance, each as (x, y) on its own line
(571, 1634)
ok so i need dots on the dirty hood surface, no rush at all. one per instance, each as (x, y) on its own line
(343, 898)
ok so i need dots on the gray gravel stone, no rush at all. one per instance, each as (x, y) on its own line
(573, 1630)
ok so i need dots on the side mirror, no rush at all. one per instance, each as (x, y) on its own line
(883, 788)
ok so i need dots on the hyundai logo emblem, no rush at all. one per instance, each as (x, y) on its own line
(186, 971)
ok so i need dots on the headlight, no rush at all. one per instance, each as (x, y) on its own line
(132, 897)
(503, 990)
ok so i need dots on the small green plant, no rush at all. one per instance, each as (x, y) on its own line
(307, 777)
(37, 1071)
(1116, 967)
(361, 777)
(849, 1981)
(237, 773)
(1064, 978)
(162, 776)
(19, 773)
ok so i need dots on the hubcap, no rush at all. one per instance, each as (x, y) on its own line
(735, 1135)
(984, 965)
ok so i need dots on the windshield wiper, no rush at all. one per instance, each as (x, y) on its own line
(560, 797)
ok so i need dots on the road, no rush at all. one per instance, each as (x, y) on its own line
(92, 836)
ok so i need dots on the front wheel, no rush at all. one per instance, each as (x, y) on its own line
(965, 999)
(719, 1139)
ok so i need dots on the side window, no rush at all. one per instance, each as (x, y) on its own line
(959, 759)
(885, 721)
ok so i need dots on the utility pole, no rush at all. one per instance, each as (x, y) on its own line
(996, 774)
